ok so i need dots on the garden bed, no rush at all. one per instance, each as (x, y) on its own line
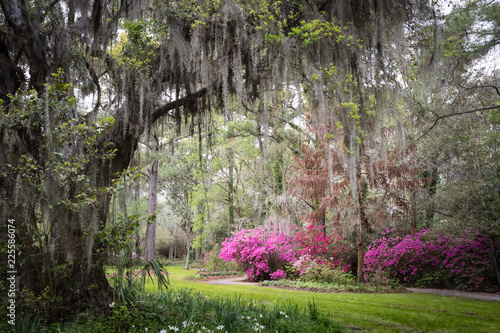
(208, 276)
(332, 288)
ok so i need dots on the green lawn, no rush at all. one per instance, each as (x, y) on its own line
(408, 312)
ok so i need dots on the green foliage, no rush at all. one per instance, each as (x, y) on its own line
(53, 115)
(119, 235)
(204, 274)
(326, 274)
(122, 317)
(314, 30)
(154, 269)
(318, 286)
(466, 195)
(214, 263)
(187, 311)
(140, 45)
(29, 324)
(478, 19)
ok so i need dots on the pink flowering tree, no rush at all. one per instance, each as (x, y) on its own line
(430, 258)
(262, 253)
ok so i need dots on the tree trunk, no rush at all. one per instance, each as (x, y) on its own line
(413, 212)
(362, 222)
(322, 221)
(360, 278)
(230, 190)
(199, 229)
(171, 247)
(151, 226)
(188, 247)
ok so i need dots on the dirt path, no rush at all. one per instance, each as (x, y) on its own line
(231, 281)
(481, 296)
(466, 294)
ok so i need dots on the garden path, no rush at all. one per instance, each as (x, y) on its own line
(467, 294)
(231, 281)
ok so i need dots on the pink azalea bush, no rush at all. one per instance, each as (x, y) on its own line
(325, 250)
(322, 258)
(270, 254)
(263, 253)
(430, 258)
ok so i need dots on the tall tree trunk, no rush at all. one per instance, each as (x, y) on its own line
(171, 247)
(188, 248)
(151, 226)
(198, 249)
(413, 212)
(360, 278)
(199, 232)
(230, 190)
(361, 221)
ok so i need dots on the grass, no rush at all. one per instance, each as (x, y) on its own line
(186, 310)
(405, 312)
(192, 306)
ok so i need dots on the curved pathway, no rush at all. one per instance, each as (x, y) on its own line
(231, 281)
(466, 294)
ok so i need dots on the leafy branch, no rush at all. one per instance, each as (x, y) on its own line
(438, 118)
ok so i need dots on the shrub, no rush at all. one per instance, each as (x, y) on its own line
(213, 261)
(330, 251)
(269, 254)
(262, 253)
(313, 270)
(432, 259)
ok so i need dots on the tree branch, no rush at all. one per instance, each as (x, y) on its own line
(53, 3)
(31, 40)
(13, 15)
(158, 113)
(438, 118)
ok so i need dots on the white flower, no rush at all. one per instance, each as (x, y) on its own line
(173, 328)
(258, 327)
(163, 331)
(111, 304)
(261, 315)
(185, 324)
(220, 327)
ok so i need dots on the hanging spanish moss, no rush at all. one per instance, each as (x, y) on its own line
(177, 66)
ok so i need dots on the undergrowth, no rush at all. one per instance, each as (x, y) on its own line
(186, 311)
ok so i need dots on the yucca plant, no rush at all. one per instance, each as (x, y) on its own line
(156, 268)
